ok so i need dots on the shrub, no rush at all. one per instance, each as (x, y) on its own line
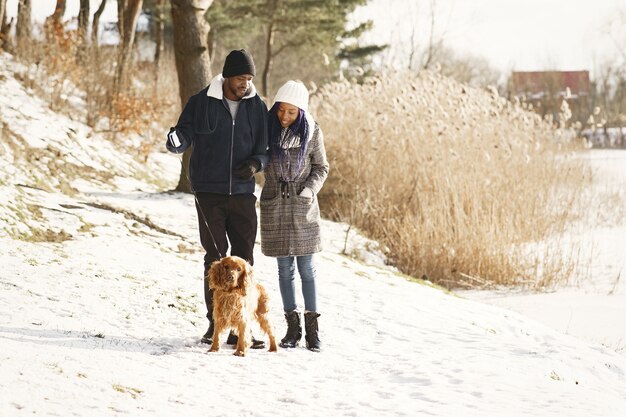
(459, 184)
(77, 80)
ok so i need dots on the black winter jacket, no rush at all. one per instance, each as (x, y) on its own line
(219, 143)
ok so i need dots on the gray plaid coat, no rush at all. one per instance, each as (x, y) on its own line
(290, 223)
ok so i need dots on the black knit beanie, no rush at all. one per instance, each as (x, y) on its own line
(238, 63)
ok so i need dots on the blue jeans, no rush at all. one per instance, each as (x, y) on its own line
(286, 277)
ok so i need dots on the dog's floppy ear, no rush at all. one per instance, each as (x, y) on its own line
(245, 277)
(216, 274)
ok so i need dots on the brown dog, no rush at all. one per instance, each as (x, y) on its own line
(237, 300)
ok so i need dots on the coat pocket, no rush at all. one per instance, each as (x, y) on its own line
(272, 214)
(306, 210)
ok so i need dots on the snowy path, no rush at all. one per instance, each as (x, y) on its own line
(108, 324)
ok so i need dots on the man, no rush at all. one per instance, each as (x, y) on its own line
(226, 123)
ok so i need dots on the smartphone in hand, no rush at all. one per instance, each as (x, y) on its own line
(173, 138)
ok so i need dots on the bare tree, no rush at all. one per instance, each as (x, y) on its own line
(56, 18)
(127, 15)
(610, 81)
(272, 28)
(3, 7)
(617, 34)
(95, 26)
(193, 64)
(158, 50)
(23, 27)
(5, 29)
(466, 68)
(83, 28)
(434, 43)
(413, 44)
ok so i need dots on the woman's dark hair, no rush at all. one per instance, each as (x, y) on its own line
(300, 128)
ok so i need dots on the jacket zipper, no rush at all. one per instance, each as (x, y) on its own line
(232, 142)
(232, 146)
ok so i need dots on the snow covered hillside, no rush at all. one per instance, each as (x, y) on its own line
(101, 308)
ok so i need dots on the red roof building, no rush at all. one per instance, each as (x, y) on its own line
(532, 83)
(546, 89)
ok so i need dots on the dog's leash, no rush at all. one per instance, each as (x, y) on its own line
(206, 223)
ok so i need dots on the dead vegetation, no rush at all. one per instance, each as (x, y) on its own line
(463, 187)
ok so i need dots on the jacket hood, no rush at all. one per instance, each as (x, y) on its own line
(215, 88)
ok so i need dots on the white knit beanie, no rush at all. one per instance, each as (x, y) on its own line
(295, 93)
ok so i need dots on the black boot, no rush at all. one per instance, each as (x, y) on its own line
(233, 338)
(208, 299)
(208, 336)
(310, 325)
(294, 330)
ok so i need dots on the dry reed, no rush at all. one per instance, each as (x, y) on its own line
(462, 186)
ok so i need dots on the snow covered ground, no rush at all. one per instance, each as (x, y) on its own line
(101, 312)
(595, 308)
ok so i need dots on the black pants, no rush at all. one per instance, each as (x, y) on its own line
(231, 219)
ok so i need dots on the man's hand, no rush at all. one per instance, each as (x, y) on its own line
(247, 169)
(176, 141)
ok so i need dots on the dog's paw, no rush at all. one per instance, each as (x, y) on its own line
(273, 348)
(214, 349)
(239, 353)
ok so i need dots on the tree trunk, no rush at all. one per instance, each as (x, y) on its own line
(269, 53)
(3, 8)
(127, 15)
(193, 64)
(158, 50)
(269, 56)
(5, 29)
(211, 43)
(23, 27)
(59, 11)
(83, 29)
(95, 26)
(55, 20)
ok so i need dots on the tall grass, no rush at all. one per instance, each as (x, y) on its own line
(462, 186)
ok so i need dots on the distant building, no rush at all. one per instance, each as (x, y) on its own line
(546, 90)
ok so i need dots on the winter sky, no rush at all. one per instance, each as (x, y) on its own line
(510, 34)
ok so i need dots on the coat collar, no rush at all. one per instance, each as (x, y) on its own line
(216, 85)
(311, 122)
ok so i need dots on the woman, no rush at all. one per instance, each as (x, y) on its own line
(290, 216)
